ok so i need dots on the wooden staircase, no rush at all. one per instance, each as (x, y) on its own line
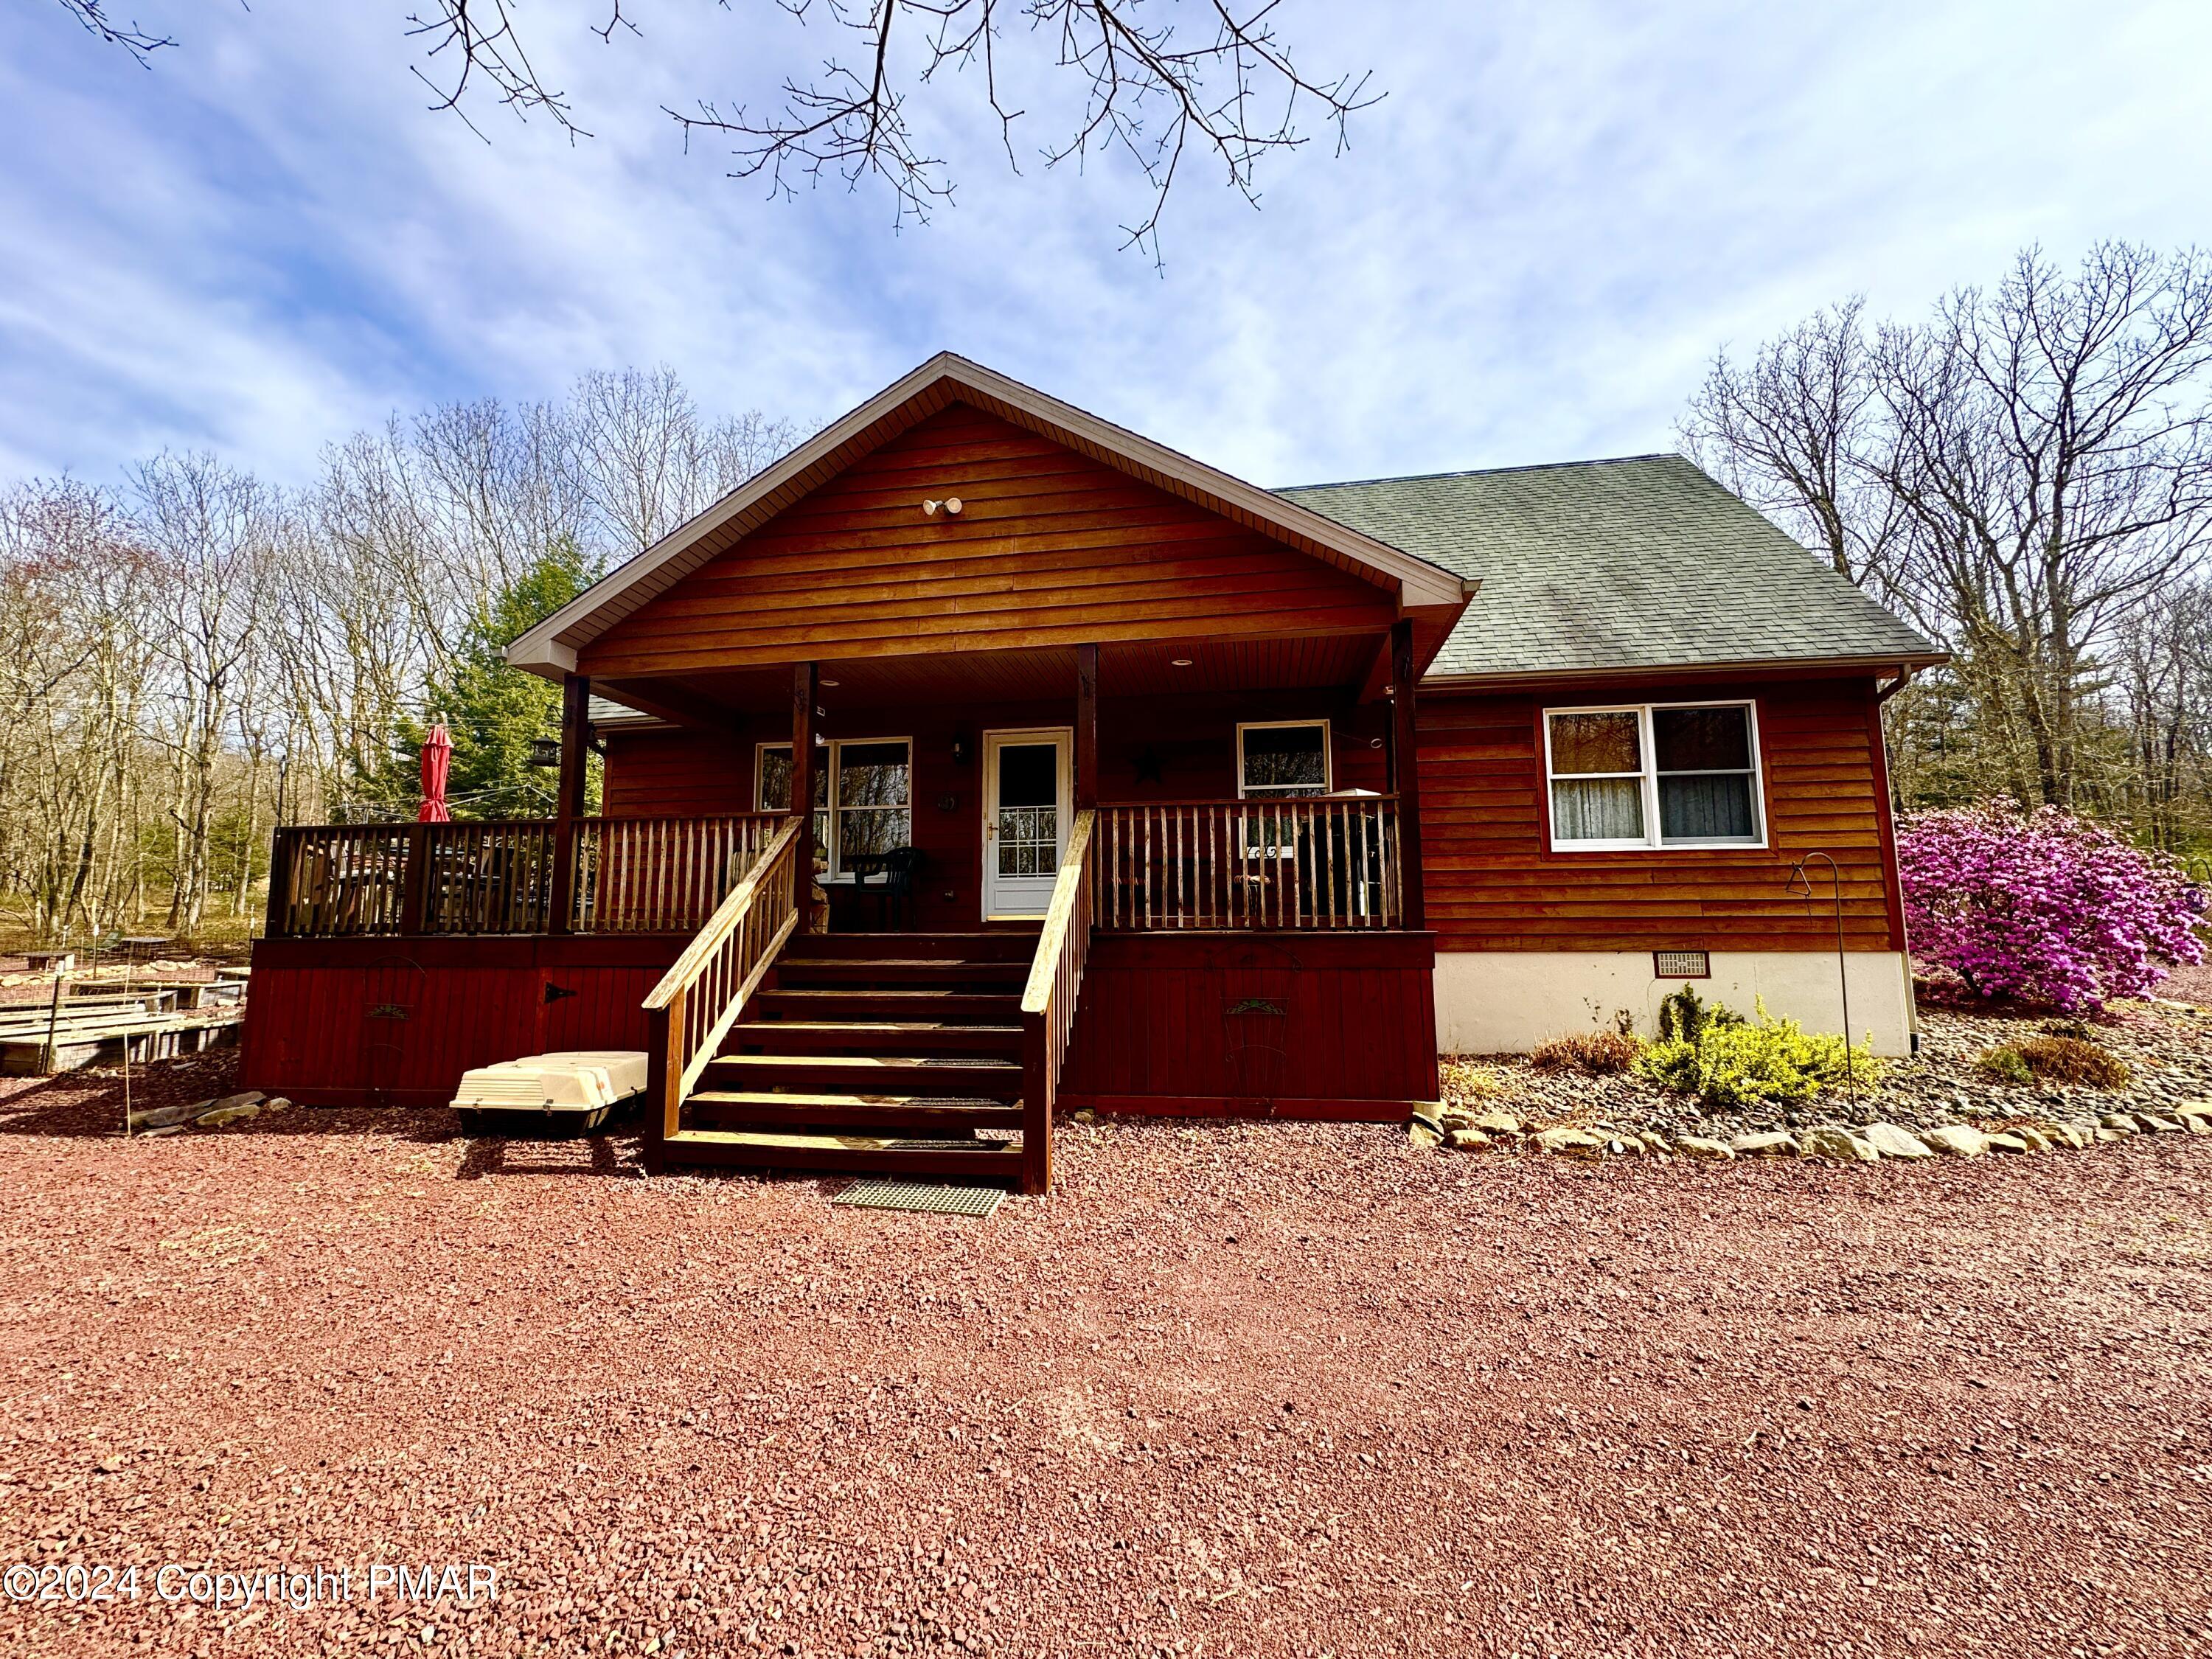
(871, 1054)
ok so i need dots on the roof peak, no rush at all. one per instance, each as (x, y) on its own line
(1489, 471)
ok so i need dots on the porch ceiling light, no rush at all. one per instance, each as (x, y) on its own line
(1178, 662)
(827, 686)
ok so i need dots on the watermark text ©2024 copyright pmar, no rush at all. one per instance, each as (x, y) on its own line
(461, 1584)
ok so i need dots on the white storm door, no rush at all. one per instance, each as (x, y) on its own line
(1026, 793)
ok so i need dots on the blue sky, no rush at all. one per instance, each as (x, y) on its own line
(1534, 244)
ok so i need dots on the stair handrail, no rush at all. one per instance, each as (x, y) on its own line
(1050, 999)
(697, 1001)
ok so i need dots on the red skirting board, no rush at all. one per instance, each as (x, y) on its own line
(396, 1022)
(1310, 1025)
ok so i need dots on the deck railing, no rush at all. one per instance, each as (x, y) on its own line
(1309, 862)
(497, 876)
(691, 1009)
(663, 875)
(1050, 999)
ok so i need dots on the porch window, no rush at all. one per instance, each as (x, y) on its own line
(1282, 758)
(1653, 775)
(772, 787)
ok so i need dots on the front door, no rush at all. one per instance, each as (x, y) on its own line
(1025, 813)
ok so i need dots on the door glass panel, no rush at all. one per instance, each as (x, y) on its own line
(1029, 809)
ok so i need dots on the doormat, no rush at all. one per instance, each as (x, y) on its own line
(927, 1198)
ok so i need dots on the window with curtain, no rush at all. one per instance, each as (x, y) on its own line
(1659, 774)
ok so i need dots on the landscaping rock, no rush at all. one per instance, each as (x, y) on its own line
(1699, 1146)
(1957, 1140)
(2155, 1125)
(2005, 1143)
(1423, 1134)
(1573, 1143)
(166, 1117)
(2112, 1134)
(222, 1116)
(1496, 1122)
(1468, 1141)
(1891, 1141)
(1773, 1143)
(247, 1097)
(2119, 1123)
(2033, 1138)
(1829, 1141)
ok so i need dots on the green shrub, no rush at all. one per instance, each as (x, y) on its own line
(2074, 1060)
(2003, 1064)
(1683, 1018)
(1731, 1063)
(1592, 1054)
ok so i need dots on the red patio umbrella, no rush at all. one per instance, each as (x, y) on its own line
(437, 761)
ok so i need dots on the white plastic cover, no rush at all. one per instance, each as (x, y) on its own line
(576, 1079)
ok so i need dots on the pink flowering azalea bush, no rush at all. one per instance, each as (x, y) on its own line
(2043, 907)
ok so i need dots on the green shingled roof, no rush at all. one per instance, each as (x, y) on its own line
(1612, 566)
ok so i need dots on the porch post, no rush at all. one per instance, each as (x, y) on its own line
(804, 690)
(1086, 727)
(568, 798)
(1406, 775)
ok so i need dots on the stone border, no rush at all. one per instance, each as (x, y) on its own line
(1460, 1129)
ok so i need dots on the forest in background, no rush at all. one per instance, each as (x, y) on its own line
(192, 656)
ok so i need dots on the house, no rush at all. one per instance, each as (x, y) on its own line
(1126, 784)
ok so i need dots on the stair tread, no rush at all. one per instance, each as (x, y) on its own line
(1009, 1151)
(894, 1063)
(871, 1027)
(857, 1102)
(905, 992)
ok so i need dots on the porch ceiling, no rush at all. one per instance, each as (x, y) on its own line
(1144, 669)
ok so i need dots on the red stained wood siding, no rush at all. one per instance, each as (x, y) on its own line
(676, 773)
(1263, 1026)
(372, 1022)
(1493, 882)
(1050, 547)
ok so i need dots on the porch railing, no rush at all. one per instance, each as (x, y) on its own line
(1049, 998)
(488, 877)
(1312, 862)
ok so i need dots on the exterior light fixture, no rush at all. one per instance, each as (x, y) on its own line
(827, 686)
(1178, 662)
(950, 504)
(546, 751)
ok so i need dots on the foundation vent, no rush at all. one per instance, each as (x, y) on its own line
(1681, 964)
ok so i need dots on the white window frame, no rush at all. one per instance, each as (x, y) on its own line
(829, 809)
(1328, 757)
(1647, 750)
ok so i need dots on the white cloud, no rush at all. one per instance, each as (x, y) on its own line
(1533, 244)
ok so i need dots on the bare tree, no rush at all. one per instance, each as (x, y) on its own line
(1150, 81)
(2026, 470)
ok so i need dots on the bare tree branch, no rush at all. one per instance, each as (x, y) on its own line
(92, 14)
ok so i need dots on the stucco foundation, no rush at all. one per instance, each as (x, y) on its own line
(1495, 1002)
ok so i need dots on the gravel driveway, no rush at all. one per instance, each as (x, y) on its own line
(1266, 1390)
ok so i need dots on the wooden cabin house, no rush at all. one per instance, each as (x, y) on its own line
(981, 759)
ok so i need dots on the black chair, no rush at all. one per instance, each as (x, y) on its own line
(900, 868)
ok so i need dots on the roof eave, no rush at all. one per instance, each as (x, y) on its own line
(1890, 662)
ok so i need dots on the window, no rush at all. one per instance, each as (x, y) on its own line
(871, 809)
(1660, 774)
(1282, 759)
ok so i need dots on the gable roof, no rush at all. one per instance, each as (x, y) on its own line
(551, 646)
(1618, 566)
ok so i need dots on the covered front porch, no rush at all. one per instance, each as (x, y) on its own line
(1197, 856)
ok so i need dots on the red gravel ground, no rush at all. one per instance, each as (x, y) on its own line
(1263, 1390)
